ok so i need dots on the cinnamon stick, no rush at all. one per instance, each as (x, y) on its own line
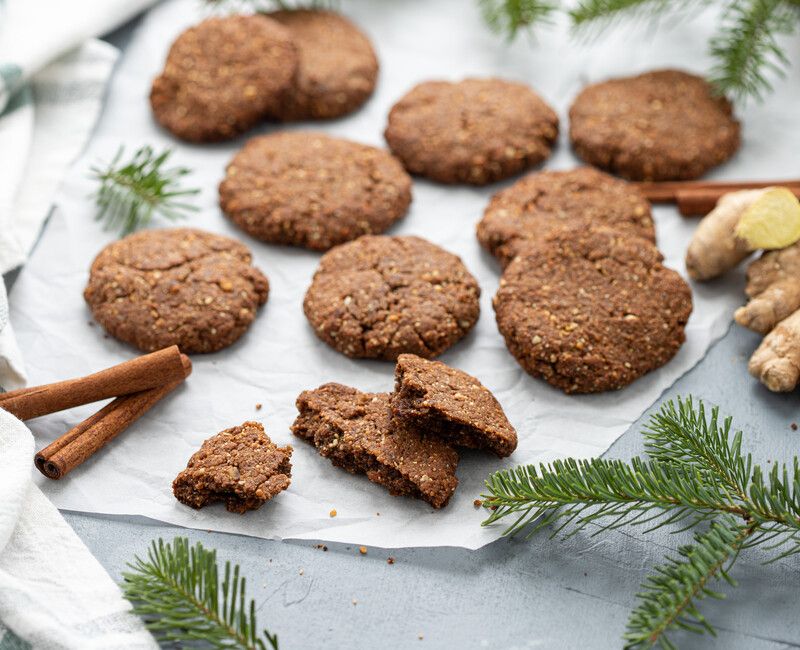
(699, 202)
(667, 191)
(149, 371)
(77, 445)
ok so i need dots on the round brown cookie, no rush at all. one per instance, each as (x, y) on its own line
(475, 131)
(378, 297)
(222, 76)
(308, 189)
(656, 126)
(178, 286)
(338, 68)
(591, 310)
(579, 198)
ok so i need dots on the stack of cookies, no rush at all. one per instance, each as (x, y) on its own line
(226, 74)
(406, 440)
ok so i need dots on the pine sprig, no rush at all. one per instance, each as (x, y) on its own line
(510, 16)
(696, 472)
(746, 48)
(177, 591)
(131, 193)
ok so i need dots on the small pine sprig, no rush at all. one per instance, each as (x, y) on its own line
(746, 48)
(132, 193)
(510, 16)
(696, 473)
(177, 591)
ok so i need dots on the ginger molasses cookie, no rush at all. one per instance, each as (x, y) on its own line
(579, 199)
(338, 67)
(378, 297)
(222, 76)
(591, 310)
(656, 126)
(447, 403)
(178, 286)
(356, 432)
(474, 131)
(312, 190)
(240, 466)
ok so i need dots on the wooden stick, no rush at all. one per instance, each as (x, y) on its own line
(78, 445)
(142, 373)
(699, 202)
(667, 191)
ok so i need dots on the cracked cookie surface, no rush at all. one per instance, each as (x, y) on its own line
(661, 125)
(240, 466)
(475, 131)
(338, 68)
(378, 297)
(355, 431)
(578, 198)
(312, 190)
(180, 286)
(222, 76)
(449, 404)
(591, 311)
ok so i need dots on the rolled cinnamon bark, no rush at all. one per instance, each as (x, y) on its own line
(142, 373)
(699, 202)
(667, 191)
(81, 442)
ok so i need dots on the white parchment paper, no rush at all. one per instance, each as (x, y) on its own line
(280, 356)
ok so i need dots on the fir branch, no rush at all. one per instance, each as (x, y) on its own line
(177, 591)
(697, 472)
(508, 17)
(131, 194)
(671, 595)
(605, 11)
(746, 47)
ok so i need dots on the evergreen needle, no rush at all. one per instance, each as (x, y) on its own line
(131, 193)
(177, 591)
(696, 472)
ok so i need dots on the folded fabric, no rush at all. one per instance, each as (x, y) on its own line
(53, 593)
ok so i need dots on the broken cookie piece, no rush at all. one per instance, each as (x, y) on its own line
(450, 404)
(356, 432)
(240, 466)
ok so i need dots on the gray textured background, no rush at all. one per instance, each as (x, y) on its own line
(540, 593)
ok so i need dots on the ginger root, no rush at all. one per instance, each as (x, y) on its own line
(741, 223)
(776, 362)
(773, 286)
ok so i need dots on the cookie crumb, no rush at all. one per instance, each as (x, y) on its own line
(302, 571)
(258, 406)
(332, 513)
(322, 547)
(355, 602)
(389, 560)
(477, 503)
(793, 426)
(362, 550)
(420, 636)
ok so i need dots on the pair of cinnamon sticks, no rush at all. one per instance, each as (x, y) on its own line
(695, 198)
(137, 385)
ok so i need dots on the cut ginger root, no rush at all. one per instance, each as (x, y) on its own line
(776, 362)
(742, 222)
(773, 286)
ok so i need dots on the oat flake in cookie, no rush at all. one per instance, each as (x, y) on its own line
(591, 310)
(578, 198)
(447, 403)
(312, 190)
(338, 67)
(178, 286)
(240, 466)
(378, 297)
(223, 76)
(355, 431)
(474, 131)
(657, 126)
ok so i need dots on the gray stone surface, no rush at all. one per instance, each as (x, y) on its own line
(540, 593)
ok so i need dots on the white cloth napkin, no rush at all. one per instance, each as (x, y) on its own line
(53, 593)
